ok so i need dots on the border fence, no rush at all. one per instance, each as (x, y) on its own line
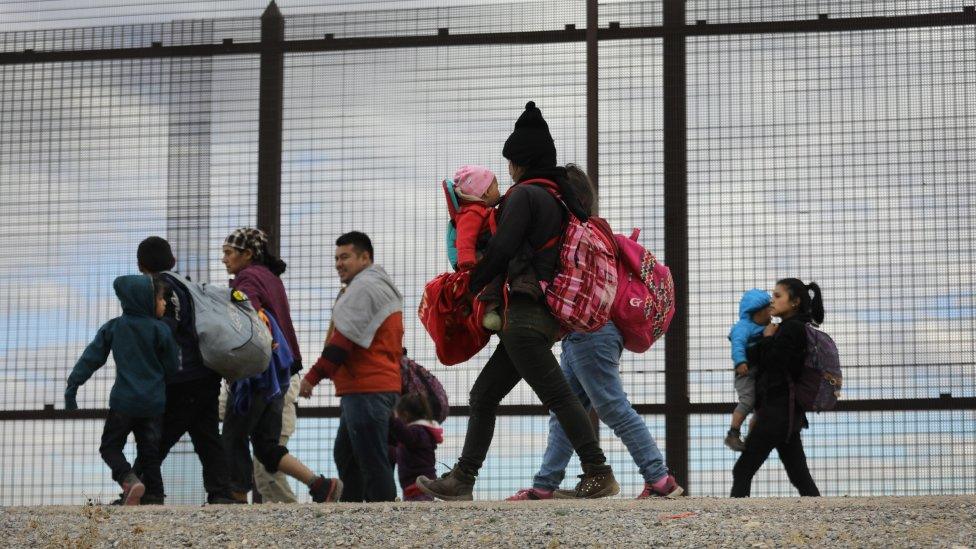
(748, 144)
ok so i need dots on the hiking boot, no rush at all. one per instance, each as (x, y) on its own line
(152, 499)
(564, 494)
(239, 497)
(453, 485)
(527, 494)
(597, 482)
(325, 490)
(733, 441)
(132, 490)
(492, 321)
(667, 487)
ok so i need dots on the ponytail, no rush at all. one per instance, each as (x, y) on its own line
(274, 264)
(816, 303)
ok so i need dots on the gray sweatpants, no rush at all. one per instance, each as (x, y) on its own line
(745, 388)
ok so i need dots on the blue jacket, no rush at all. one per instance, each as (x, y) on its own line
(144, 350)
(745, 333)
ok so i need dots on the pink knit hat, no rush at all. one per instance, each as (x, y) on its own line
(473, 181)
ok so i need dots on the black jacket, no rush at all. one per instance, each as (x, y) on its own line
(529, 218)
(779, 358)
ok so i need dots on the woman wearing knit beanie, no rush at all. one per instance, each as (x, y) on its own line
(529, 221)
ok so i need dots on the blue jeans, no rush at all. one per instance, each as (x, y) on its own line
(361, 448)
(591, 364)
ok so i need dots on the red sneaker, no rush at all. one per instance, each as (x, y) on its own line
(527, 494)
(667, 487)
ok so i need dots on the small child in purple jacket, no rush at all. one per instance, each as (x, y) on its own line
(416, 436)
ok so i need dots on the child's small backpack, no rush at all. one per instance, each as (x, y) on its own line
(417, 379)
(582, 292)
(234, 341)
(644, 304)
(818, 387)
(453, 205)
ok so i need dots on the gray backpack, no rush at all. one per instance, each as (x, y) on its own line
(234, 341)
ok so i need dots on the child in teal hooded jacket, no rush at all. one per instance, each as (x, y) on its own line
(145, 355)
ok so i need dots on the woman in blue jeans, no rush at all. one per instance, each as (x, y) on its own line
(591, 364)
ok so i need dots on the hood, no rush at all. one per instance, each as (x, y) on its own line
(752, 301)
(136, 293)
(434, 428)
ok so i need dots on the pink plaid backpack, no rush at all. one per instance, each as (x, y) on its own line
(582, 292)
(644, 305)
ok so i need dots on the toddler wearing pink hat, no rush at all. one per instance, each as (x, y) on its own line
(476, 188)
(471, 198)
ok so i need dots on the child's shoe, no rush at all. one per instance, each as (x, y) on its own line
(132, 489)
(527, 494)
(667, 487)
(734, 441)
(455, 485)
(597, 481)
(325, 490)
(492, 321)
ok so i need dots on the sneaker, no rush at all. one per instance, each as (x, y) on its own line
(152, 499)
(223, 500)
(667, 487)
(492, 321)
(132, 490)
(597, 481)
(325, 490)
(453, 485)
(733, 441)
(527, 494)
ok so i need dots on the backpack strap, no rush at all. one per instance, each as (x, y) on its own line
(453, 204)
(553, 189)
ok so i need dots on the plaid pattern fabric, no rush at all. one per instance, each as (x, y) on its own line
(644, 304)
(582, 293)
(247, 238)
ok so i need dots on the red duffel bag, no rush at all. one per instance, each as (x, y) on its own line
(452, 318)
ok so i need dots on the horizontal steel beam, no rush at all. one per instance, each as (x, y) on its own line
(699, 408)
(444, 38)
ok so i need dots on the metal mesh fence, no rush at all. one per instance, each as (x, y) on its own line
(840, 157)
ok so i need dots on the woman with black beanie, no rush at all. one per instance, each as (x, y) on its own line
(780, 357)
(530, 220)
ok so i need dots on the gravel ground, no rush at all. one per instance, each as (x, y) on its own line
(687, 522)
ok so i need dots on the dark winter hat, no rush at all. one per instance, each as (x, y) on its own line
(531, 144)
(155, 255)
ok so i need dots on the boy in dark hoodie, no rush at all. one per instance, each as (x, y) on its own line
(753, 318)
(416, 436)
(145, 355)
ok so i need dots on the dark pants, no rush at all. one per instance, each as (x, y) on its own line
(147, 431)
(262, 426)
(769, 433)
(525, 352)
(191, 407)
(361, 448)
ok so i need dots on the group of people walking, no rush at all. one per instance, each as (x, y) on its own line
(163, 389)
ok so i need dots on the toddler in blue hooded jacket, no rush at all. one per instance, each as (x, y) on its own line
(753, 318)
(145, 355)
